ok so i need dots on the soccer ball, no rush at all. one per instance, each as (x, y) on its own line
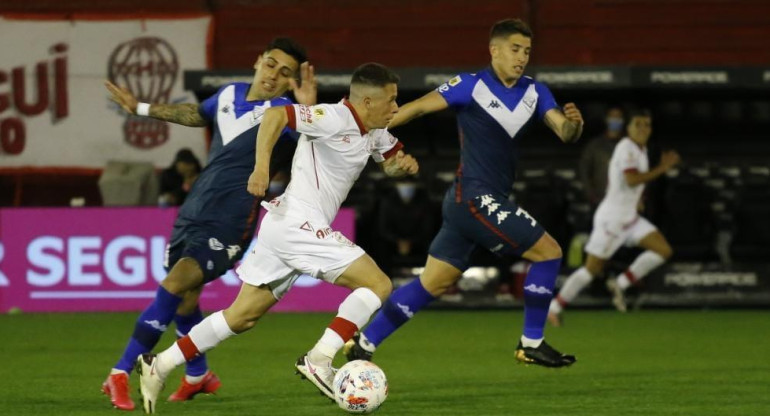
(360, 387)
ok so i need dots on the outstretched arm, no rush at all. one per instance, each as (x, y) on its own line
(428, 103)
(400, 164)
(184, 114)
(273, 122)
(568, 125)
(668, 160)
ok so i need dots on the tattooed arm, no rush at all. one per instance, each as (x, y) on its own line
(568, 125)
(184, 114)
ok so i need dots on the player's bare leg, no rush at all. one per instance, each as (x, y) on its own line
(252, 302)
(437, 277)
(657, 251)
(370, 287)
(575, 283)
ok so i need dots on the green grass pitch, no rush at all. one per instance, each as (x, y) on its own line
(442, 363)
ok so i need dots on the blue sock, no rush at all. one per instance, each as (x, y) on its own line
(152, 323)
(538, 292)
(184, 323)
(399, 308)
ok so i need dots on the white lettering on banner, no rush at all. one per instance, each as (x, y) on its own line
(158, 246)
(690, 77)
(135, 266)
(575, 77)
(78, 258)
(38, 254)
(3, 279)
(707, 279)
(46, 253)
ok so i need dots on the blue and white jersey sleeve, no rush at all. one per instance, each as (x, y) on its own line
(208, 108)
(458, 91)
(545, 100)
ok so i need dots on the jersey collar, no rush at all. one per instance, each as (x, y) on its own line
(355, 116)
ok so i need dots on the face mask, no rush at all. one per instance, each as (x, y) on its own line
(615, 124)
(276, 187)
(406, 191)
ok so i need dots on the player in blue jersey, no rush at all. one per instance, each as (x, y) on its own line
(492, 106)
(217, 221)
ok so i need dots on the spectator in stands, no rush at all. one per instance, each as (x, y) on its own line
(617, 220)
(596, 155)
(177, 179)
(404, 225)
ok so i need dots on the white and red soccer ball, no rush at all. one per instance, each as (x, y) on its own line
(360, 387)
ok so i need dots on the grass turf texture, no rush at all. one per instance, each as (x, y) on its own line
(442, 363)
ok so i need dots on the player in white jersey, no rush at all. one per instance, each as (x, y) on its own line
(295, 236)
(617, 220)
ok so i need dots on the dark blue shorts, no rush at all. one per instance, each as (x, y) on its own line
(486, 220)
(215, 247)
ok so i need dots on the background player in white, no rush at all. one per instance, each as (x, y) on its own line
(617, 220)
(295, 236)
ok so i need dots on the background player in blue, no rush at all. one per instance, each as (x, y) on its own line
(492, 106)
(217, 221)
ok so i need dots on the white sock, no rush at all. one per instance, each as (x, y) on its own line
(530, 343)
(575, 283)
(354, 312)
(642, 266)
(205, 336)
(194, 379)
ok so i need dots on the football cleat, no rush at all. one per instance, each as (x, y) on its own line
(617, 295)
(187, 391)
(321, 376)
(150, 383)
(543, 355)
(354, 351)
(116, 386)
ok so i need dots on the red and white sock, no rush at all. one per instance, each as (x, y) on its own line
(201, 338)
(642, 266)
(575, 283)
(354, 312)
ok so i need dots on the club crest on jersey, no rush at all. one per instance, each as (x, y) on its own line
(319, 112)
(529, 101)
(454, 81)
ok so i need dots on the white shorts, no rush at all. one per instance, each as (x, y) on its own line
(288, 247)
(608, 235)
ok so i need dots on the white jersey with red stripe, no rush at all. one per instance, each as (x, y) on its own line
(621, 200)
(331, 153)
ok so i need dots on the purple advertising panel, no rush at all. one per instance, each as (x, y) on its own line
(111, 259)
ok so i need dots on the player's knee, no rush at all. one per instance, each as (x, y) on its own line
(545, 249)
(382, 287)
(665, 251)
(436, 285)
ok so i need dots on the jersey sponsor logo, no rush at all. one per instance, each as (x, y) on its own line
(323, 233)
(215, 244)
(305, 114)
(540, 290)
(454, 81)
(493, 104)
(232, 251)
(342, 239)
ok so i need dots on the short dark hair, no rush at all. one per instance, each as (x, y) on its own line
(637, 112)
(508, 27)
(290, 47)
(374, 74)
